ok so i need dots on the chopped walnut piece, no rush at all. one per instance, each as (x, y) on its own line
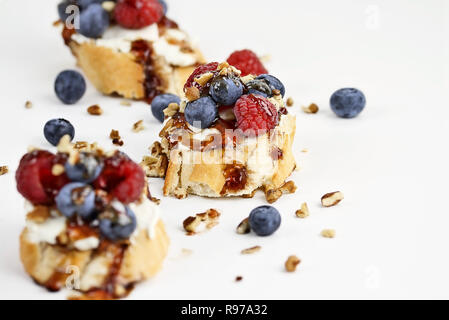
(238, 278)
(332, 199)
(251, 250)
(116, 139)
(290, 102)
(303, 212)
(277, 92)
(95, 110)
(292, 263)
(273, 195)
(204, 78)
(171, 110)
(138, 126)
(311, 109)
(328, 233)
(243, 227)
(155, 165)
(191, 223)
(28, 104)
(192, 93)
(4, 170)
(288, 187)
(79, 145)
(65, 146)
(108, 5)
(57, 170)
(125, 103)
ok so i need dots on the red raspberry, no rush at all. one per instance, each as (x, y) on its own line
(247, 62)
(122, 178)
(136, 14)
(255, 115)
(35, 180)
(210, 67)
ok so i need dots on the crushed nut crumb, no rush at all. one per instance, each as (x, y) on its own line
(243, 227)
(28, 104)
(204, 78)
(4, 170)
(155, 166)
(138, 126)
(191, 223)
(273, 195)
(251, 250)
(238, 278)
(292, 263)
(303, 212)
(311, 109)
(116, 139)
(95, 110)
(108, 5)
(332, 199)
(57, 170)
(305, 150)
(210, 217)
(290, 102)
(277, 92)
(171, 110)
(125, 103)
(328, 233)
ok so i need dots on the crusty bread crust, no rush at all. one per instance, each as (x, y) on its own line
(114, 72)
(142, 259)
(205, 175)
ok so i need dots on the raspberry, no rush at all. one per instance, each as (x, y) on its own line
(210, 67)
(247, 62)
(35, 180)
(136, 14)
(255, 115)
(122, 178)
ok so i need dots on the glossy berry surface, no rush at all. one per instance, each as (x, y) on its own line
(161, 102)
(201, 113)
(247, 62)
(226, 91)
(86, 170)
(84, 4)
(55, 129)
(265, 220)
(94, 21)
(255, 115)
(137, 14)
(35, 180)
(76, 198)
(205, 68)
(70, 86)
(273, 82)
(118, 223)
(122, 178)
(348, 103)
(164, 6)
(259, 87)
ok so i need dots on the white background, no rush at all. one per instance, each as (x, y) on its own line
(391, 162)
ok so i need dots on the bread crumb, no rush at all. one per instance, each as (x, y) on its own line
(290, 102)
(292, 263)
(95, 110)
(311, 109)
(303, 212)
(4, 170)
(328, 233)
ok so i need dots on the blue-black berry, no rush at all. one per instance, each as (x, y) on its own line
(226, 91)
(273, 82)
(161, 102)
(259, 87)
(265, 220)
(70, 86)
(55, 129)
(93, 21)
(201, 113)
(348, 102)
(76, 198)
(118, 222)
(86, 170)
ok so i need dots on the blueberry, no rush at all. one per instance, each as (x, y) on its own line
(348, 102)
(201, 113)
(76, 198)
(94, 21)
(84, 4)
(70, 86)
(118, 222)
(86, 170)
(273, 82)
(62, 9)
(164, 5)
(55, 129)
(264, 220)
(226, 91)
(259, 87)
(161, 102)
